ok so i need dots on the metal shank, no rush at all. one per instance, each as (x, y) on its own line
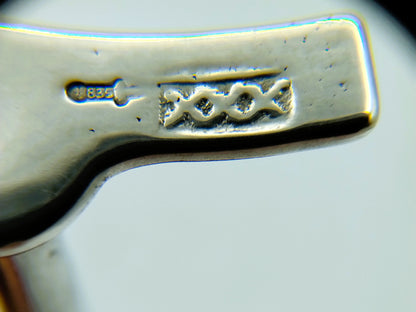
(78, 107)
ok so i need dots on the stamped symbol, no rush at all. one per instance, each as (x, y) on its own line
(209, 100)
(118, 92)
(231, 101)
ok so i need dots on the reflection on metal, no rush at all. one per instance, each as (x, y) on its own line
(13, 295)
(96, 104)
(38, 280)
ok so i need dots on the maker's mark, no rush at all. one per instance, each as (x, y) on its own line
(238, 102)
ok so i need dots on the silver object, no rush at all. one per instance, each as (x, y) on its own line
(201, 91)
(138, 100)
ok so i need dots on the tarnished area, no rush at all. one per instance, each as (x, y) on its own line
(95, 101)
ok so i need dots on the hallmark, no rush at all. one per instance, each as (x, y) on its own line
(209, 104)
(118, 92)
(80, 92)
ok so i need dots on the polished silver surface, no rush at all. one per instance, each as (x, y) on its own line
(325, 230)
(78, 107)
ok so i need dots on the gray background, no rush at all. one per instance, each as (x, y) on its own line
(330, 229)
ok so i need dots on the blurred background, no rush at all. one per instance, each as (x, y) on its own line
(325, 230)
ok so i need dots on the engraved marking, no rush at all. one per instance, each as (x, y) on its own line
(80, 92)
(119, 92)
(205, 106)
(244, 102)
(240, 102)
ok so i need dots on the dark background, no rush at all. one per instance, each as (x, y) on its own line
(402, 11)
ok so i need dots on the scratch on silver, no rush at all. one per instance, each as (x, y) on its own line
(239, 102)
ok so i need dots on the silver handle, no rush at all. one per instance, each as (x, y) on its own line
(78, 107)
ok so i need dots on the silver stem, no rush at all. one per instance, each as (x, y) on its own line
(38, 280)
